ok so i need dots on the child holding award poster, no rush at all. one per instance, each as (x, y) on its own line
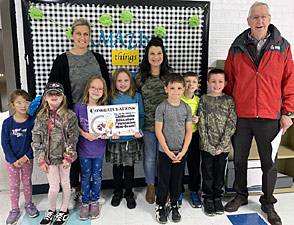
(91, 147)
(126, 150)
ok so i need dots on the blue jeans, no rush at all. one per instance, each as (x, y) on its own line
(150, 156)
(91, 168)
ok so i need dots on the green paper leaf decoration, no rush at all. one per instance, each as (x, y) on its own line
(68, 33)
(105, 20)
(126, 17)
(194, 21)
(35, 13)
(160, 31)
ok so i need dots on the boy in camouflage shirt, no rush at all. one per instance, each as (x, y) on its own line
(217, 124)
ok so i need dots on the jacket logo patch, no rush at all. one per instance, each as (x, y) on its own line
(275, 47)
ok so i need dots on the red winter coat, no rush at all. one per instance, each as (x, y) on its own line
(264, 91)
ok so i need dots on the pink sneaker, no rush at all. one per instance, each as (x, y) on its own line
(13, 216)
(94, 210)
(84, 212)
(31, 210)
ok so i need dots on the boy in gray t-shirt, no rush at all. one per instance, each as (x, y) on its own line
(173, 128)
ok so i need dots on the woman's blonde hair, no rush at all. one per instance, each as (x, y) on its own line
(113, 91)
(80, 22)
(62, 109)
(103, 99)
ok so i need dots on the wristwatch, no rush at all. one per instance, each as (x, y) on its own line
(288, 113)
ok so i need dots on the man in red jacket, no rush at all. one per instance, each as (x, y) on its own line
(260, 76)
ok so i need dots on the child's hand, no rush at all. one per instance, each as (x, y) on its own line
(17, 163)
(171, 155)
(218, 151)
(23, 159)
(138, 135)
(195, 119)
(104, 136)
(115, 137)
(179, 157)
(65, 164)
(44, 167)
(91, 136)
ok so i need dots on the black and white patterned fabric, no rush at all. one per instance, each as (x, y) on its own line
(183, 43)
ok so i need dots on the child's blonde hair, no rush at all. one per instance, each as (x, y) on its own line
(62, 109)
(18, 92)
(113, 91)
(103, 99)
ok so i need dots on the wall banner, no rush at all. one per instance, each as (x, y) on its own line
(123, 27)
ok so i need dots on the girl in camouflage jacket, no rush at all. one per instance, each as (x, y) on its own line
(55, 136)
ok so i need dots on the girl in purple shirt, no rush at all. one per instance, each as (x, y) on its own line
(91, 148)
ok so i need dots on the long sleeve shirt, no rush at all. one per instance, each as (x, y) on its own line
(217, 123)
(16, 139)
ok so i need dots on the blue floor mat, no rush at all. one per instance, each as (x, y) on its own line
(246, 219)
(73, 219)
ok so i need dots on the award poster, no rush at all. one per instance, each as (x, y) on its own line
(122, 120)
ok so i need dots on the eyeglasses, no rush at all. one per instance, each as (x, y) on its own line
(21, 104)
(92, 88)
(51, 94)
(255, 18)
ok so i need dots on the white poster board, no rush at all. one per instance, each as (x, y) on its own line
(114, 119)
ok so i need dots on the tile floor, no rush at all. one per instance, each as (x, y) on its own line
(144, 214)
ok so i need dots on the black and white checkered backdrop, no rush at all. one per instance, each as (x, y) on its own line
(184, 44)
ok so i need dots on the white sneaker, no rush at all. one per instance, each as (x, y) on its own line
(101, 200)
(73, 199)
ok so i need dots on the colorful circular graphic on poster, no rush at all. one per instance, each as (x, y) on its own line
(98, 125)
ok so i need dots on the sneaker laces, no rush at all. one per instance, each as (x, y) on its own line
(59, 216)
(48, 215)
(160, 210)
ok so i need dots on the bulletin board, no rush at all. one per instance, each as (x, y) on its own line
(186, 45)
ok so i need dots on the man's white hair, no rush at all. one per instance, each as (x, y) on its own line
(257, 3)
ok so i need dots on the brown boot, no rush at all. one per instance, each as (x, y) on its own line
(233, 205)
(150, 194)
(272, 216)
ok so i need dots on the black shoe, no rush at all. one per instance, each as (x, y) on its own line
(218, 206)
(176, 216)
(48, 218)
(161, 215)
(209, 207)
(233, 205)
(272, 216)
(131, 203)
(61, 218)
(116, 198)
